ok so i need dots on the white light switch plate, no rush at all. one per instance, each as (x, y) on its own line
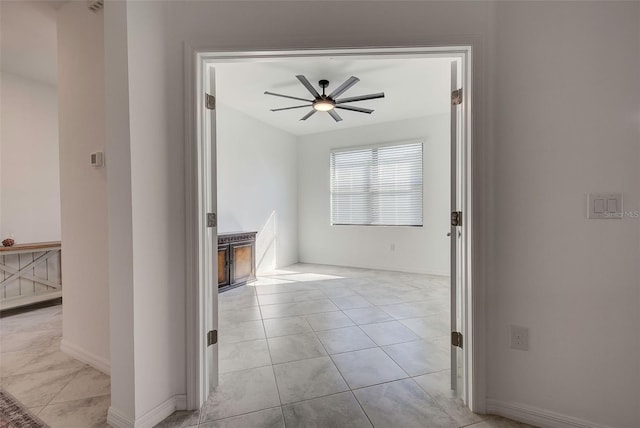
(604, 205)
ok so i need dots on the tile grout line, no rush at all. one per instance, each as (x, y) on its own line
(316, 331)
(273, 370)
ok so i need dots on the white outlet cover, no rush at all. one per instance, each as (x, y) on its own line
(519, 338)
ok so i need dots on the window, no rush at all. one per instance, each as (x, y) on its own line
(377, 186)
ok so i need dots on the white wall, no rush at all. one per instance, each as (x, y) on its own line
(157, 207)
(417, 249)
(118, 150)
(29, 166)
(257, 184)
(83, 187)
(30, 191)
(145, 209)
(566, 115)
(556, 110)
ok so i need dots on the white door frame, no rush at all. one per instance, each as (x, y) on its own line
(197, 79)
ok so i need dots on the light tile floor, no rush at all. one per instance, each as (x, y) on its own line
(60, 390)
(307, 346)
(325, 346)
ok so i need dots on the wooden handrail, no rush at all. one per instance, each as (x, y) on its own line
(33, 246)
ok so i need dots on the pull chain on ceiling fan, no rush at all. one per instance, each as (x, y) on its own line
(329, 102)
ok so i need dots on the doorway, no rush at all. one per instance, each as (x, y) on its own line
(202, 298)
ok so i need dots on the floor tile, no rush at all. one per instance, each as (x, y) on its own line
(499, 422)
(15, 363)
(243, 355)
(438, 386)
(241, 331)
(386, 297)
(351, 302)
(87, 383)
(337, 292)
(344, 340)
(316, 306)
(232, 316)
(307, 277)
(284, 287)
(297, 296)
(388, 333)
(338, 410)
(329, 320)
(88, 412)
(29, 341)
(306, 379)
(419, 357)
(367, 315)
(367, 367)
(269, 418)
(402, 404)
(34, 321)
(279, 310)
(37, 389)
(415, 309)
(181, 419)
(238, 293)
(295, 347)
(241, 392)
(36, 410)
(285, 326)
(429, 327)
(239, 301)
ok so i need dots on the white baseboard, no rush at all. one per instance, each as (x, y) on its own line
(181, 401)
(81, 354)
(154, 416)
(379, 267)
(535, 416)
(118, 420)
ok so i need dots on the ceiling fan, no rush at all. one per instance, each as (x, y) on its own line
(329, 102)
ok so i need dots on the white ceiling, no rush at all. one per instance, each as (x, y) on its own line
(412, 87)
(29, 39)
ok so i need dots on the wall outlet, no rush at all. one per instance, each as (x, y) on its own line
(96, 159)
(519, 338)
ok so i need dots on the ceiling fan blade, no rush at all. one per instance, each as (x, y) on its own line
(308, 85)
(358, 109)
(308, 115)
(287, 96)
(334, 115)
(290, 108)
(343, 88)
(361, 98)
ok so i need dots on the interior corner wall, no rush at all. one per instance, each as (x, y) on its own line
(257, 184)
(29, 169)
(415, 249)
(83, 188)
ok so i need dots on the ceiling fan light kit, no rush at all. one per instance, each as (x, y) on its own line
(328, 103)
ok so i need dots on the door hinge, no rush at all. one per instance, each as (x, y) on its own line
(210, 101)
(456, 218)
(212, 337)
(456, 339)
(212, 220)
(456, 97)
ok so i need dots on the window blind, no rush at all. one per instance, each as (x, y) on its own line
(379, 186)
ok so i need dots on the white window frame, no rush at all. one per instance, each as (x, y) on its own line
(373, 147)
